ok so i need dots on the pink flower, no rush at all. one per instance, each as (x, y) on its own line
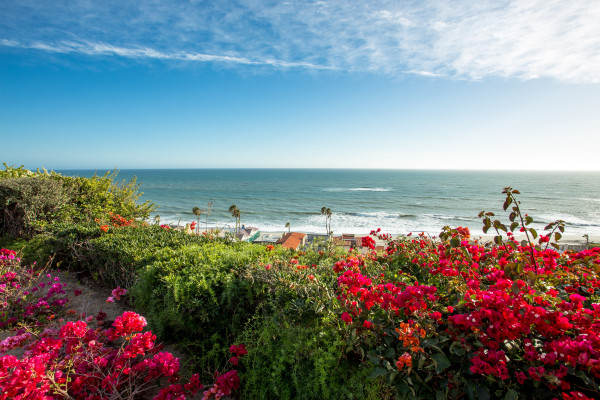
(118, 292)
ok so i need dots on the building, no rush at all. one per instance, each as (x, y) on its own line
(268, 238)
(293, 240)
(247, 234)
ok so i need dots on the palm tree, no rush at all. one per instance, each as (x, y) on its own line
(327, 213)
(197, 212)
(287, 225)
(236, 213)
(207, 212)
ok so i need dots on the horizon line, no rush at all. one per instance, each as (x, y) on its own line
(323, 168)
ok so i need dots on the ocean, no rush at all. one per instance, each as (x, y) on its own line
(397, 201)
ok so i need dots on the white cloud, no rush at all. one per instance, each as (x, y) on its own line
(92, 49)
(523, 39)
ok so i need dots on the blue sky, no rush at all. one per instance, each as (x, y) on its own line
(300, 84)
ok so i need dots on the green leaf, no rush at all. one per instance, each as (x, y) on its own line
(483, 393)
(513, 245)
(470, 390)
(440, 395)
(388, 340)
(533, 233)
(374, 357)
(498, 239)
(556, 246)
(377, 371)
(514, 226)
(457, 348)
(581, 374)
(388, 366)
(489, 214)
(515, 288)
(485, 229)
(511, 395)
(441, 362)
(528, 220)
(455, 242)
(392, 376)
(507, 203)
(390, 353)
(557, 236)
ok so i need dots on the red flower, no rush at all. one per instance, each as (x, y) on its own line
(346, 318)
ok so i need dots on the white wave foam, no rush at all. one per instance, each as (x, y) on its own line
(358, 189)
(587, 199)
(363, 223)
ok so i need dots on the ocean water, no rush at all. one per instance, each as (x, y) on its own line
(397, 201)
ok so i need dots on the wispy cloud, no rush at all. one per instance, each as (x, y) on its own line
(94, 49)
(523, 39)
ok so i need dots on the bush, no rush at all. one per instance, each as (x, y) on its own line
(303, 360)
(195, 295)
(29, 203)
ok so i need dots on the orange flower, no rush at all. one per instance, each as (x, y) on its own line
(104, 228)
(404, 360)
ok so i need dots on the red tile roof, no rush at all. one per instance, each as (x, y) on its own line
(292, 240)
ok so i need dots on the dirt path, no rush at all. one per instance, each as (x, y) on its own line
(91, 301)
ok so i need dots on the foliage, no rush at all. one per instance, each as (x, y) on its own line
(302, 360)
(80, 359)
(427, 318)
(27, 296)
(492, 321)
(194, 295)
(29, 201)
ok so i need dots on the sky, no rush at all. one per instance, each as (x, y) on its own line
(422, 84)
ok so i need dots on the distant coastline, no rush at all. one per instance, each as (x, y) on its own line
(397, 201)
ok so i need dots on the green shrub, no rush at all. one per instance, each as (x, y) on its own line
(307, 360)
(29, 203)
(97, 196)
(198, 287)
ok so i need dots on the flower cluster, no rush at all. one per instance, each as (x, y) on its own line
(237, 352)
(27, 297)
(78, 361)
(367, 241)
(115, 220)
(487, 311)
(116, 294)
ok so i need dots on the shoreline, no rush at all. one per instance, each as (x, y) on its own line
(567, 241)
